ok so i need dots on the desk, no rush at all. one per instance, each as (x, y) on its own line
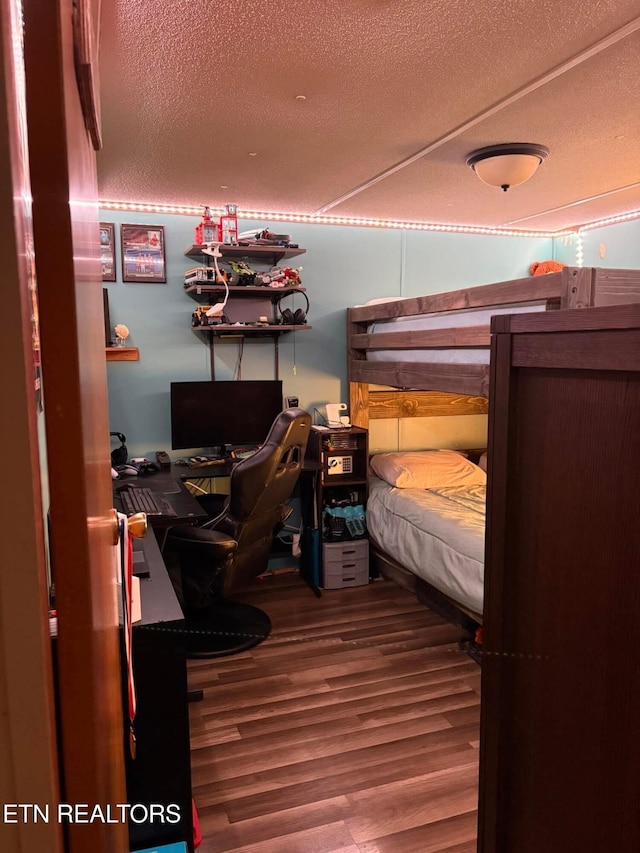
(223, 469)
(161, 772)
(167, 483)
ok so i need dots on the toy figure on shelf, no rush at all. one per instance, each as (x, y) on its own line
(207, 231)
(241, 274)
(229, 225)
(202, 317)
(292, 275)
(281, 277)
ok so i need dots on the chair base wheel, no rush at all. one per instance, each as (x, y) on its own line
(225, 629)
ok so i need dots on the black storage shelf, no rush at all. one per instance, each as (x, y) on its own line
(318, 493)
(202, 291)
(245, 304)
(223, 329)
(266, 253)
(342, 480)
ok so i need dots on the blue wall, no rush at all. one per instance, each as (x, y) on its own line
(620, 245)
(564, 249)
(343, 266)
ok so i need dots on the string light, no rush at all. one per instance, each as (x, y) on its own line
(311, 219)
(611, 220)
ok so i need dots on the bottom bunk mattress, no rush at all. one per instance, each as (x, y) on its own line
(437, 534)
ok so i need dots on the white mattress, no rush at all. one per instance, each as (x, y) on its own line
(437, 535)
(444, 320)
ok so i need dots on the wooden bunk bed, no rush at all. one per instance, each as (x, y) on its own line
(435, 387)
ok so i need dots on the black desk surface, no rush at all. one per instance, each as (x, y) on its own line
(223, 469)
(157, 596)
(167, 483)
(200, 472)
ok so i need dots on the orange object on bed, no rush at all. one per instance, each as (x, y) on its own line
(542, 267)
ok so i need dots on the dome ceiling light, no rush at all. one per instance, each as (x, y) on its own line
(507, 165)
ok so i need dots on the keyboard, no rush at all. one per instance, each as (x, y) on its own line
(144, 500)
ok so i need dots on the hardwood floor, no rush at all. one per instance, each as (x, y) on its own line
(352, 729)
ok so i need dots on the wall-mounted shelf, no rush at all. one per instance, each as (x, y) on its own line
(267, 253)
(202, 291)
(228, 330)
(245, 304)
(122, 353)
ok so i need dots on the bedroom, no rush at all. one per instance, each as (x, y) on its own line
(346, 265)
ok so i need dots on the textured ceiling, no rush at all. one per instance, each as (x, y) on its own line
(397, 93)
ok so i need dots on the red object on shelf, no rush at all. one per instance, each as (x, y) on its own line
(207, 231)
(229, 225)
(197, 835)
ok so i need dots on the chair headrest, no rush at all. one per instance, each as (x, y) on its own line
(270, 474)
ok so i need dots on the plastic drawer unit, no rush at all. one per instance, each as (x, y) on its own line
(345, 563)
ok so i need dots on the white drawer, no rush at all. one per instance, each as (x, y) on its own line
(345, 565)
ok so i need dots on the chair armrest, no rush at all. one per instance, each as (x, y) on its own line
(219, 545)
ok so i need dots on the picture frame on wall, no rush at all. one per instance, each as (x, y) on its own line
(143, 253)
(108, 251)
(108, 338)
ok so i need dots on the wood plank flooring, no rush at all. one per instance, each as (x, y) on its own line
(353, 728)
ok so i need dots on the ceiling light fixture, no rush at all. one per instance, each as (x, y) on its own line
(507, 165)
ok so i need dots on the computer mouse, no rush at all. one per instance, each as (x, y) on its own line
(127, 471)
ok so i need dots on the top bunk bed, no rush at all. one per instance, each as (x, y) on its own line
(434, 350)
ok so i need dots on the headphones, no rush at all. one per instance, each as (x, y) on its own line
(119, 456)
(293, 318)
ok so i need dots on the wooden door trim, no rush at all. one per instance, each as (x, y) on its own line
(28, 747)
(65, 216)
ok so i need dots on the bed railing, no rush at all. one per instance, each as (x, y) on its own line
(442, 388)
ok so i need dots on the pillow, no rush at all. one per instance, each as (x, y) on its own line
(482, 462)
(427, 469)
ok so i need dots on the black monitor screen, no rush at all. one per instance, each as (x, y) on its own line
(211, 414)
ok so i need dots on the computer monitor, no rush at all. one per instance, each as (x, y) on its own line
(214, 413)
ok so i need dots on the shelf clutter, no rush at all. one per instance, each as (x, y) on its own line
(246, 300)
(245, 251)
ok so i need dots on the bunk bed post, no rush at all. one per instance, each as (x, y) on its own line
(493, 670)
(359, 404)
(358, 391)
(577, 289)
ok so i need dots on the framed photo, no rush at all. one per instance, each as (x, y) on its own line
(108, 251)
(108, 335)
(143, 257)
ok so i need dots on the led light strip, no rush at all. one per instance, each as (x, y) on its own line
(143, 207)
(184, 210)
(611, 220)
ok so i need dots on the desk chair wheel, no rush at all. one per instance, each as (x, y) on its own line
(225, 628)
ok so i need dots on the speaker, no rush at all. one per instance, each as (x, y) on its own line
(119, 455)
(289, 317)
